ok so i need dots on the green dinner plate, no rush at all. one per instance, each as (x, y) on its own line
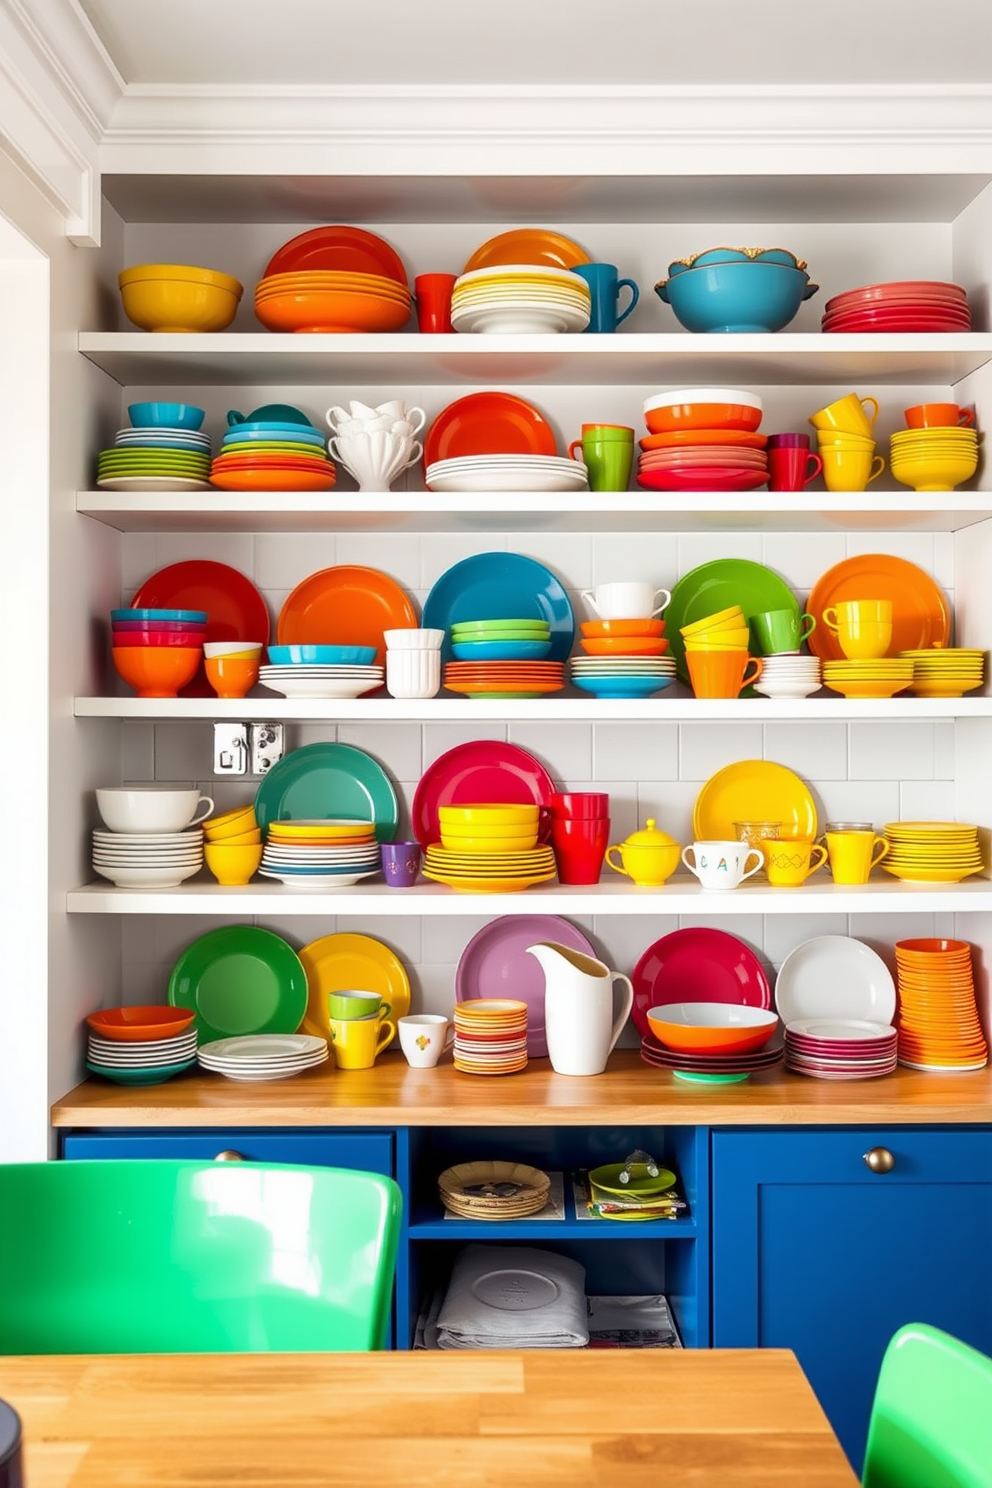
(607, 1179)
(717, 585)
(328, 780)
(696, 1079)
(240, 979)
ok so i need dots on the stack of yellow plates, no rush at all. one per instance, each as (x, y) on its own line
(490, 1036)
(932, 852)
(946, 673)
(880, 677)
(489, 872)
(520, 298)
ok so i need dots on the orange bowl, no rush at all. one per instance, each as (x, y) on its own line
(711, 1027)
(602, 629)
(675, 416)
(333, 311)
(129, 1025)
(157, 671)
(626, 646)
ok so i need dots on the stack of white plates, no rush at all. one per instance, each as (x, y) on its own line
(263, 1056)
(323, 866)
(789, 676)
(840, 1048)
(141, 1061)
(622, 676)
(322, 681)
(508, 473)
(148, 860)
(520, 299)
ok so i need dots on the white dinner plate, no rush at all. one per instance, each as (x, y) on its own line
(834, 977)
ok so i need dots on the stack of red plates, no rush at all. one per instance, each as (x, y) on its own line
(703, 460)
(710, 1069)
(840, 1048)
(905, 305)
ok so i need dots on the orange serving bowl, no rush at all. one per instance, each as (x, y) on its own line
(675, 416)
(130, 1025)
(626, 646)
(711, 1027)
(157, 671)
(333, 311)
(606, 629)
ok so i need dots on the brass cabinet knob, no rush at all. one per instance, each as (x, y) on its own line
(229, 1155)
(880, 1160)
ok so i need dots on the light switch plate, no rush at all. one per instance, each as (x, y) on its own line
(267, 745)
(230, 749)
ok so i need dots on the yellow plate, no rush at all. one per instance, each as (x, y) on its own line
(932, 829)
(753, 790)
(325, 831)
(528, 245)
(343, 962)
(487, 885)
(931, 875)
(878, 689)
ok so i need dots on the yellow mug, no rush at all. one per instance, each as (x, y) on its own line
(357, 1042)
(789, 860)
(849, 468)
(847, 415)
(863, 627)
(852, 855)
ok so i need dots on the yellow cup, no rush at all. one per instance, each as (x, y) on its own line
(847, 415)
(863, 627)
(789, 861)
(852, 855)
(241, 819)
(232, 865)
(850, 467)
(357, 1042)
(728, 619)
(237, 839)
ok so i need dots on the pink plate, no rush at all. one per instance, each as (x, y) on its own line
(702, 478)
(698, 965)
(473, 774)
(894, 327)
(904, 288)
(495, 963)
(236, 610)
(156, 637)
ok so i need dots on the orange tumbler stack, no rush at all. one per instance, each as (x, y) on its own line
(938, 1019)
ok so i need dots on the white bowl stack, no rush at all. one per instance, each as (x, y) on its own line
(148, 841)
(789, 675)
(520, 299)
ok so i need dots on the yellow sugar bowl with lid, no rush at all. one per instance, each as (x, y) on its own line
(649, 857)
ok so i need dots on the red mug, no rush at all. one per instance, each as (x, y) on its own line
(579, 848)
(791, 468)
(580, 806)
(432, 293)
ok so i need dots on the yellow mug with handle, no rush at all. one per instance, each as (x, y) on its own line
(357, 1042)
(853, 855)
(789, 860)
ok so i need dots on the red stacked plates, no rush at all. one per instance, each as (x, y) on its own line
(840, 1048)
(710, 1069)
(702, 460)
(925, 305)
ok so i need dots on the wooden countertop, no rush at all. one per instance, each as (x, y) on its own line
(629, 1093)
(562, 1419)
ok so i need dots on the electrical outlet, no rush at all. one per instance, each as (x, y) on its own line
(266, 746)
(230, 749)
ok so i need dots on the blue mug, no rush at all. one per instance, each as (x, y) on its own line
(605, 287)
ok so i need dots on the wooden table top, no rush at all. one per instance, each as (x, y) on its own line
(628, 1093)
(561, 1419)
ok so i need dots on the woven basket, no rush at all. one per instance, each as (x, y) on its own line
(531, 1198)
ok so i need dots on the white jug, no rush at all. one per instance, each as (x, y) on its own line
(578, 1008)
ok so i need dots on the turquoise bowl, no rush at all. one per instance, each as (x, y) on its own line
(321, 655)
(165, 415)
(749, 296)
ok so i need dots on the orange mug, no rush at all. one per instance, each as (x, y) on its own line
(938, 416)
(722, 674)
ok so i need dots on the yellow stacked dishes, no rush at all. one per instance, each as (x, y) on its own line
(936, 459)
(490, 1036)
(489, 848)
(932, 852)
(237, 828)
(233, 847)
(329, 300)
(939, 1027)
(946, 673)
(520, 299)
(879, 677)
(316, 854)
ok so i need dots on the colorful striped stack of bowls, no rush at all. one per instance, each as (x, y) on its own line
(157, 651)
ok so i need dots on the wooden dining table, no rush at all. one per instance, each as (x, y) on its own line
(551, 1419)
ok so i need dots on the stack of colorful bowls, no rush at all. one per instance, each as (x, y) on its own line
(702, 439)
(322, 671)
(157, 651)
(946, 673)
(711, 1042)
(502, 658)
(624, 658)
(844, 433)
(932, 852)
(140, 1045)
(162, 450)
(902, 305)
(736, 289)
(331, 854)
(520, 299)
(233, 845)
(489, 848)
(273, 455)
(934, 458)
(939, 1028)
(716, 653)
(490, 1036)
(840, 1049)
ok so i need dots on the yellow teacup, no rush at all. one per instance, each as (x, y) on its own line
(229, 823)
(232, 865)
(357, 1042)
(789, 860)
(852, 855)
(863, 627)
(726, 619)
(847, 415)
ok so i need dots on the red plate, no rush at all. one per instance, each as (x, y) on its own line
(347, 605)
(869, 294)
(681, 437)
(346, 249)
(697, 965)
(705, 478)
(681, 460)
(236, 610)
(484, 771)
(488, 424)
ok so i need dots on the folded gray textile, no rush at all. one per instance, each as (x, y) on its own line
(513, 1297)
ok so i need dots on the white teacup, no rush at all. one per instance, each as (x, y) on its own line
(151, 808)
(400, 412)
(424, 1038)
(626, 601)
(721, 865)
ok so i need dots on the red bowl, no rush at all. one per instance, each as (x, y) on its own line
(129, 1025)
(157, 637)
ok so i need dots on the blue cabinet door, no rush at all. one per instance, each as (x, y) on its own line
(814, 1251)
(367, 1151)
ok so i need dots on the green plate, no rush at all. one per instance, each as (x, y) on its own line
(607, 1178)
(717, 585)
(328, 780)
(240, 979)
(695, 1079)
(149, 1076)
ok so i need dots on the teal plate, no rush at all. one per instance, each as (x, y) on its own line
(153, 1075)
(695, 1079)
(327, 780)
(715, 586)
(240, 979)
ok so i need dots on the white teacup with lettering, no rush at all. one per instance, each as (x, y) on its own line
(424, 1038)
(722, 865)
(626, 601)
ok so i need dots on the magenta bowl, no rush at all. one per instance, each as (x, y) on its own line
(157, 637)
(134, 626)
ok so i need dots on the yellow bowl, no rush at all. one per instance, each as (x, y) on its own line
(179, 306)
(488, 815)
(510, 833)
(719, 640)
(500, 845)
(730, 617)
(237, 839)
(933, 472)
(880, 688)
(239, 819)
(190, 273)
(232, 865)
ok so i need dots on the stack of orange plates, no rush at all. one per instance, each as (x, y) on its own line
(322, 300)
(490, 1036)
(272, 465)
(504, 679)
(938, 1020)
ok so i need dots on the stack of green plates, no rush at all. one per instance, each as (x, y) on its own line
(136, 467)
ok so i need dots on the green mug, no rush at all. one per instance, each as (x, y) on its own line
(609, 460)
(778, 632)
(347, 1006)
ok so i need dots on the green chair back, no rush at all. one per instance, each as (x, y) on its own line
(194, 1257)
(931, 1420)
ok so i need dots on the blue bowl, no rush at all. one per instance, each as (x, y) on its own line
(269, 413)
(736, 297)
(165, 415)
(321, 655)
(198, 617)
(279, 433)
(622, 687)
(500, 650)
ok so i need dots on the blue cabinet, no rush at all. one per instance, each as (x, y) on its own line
(371, 1151)
(815, 1251)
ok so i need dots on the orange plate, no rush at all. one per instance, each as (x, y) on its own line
(605, 628)
(345, 606)
(488, 424)
(528, 245)
(625, 646)
(272, 480)
(920, 613)
(132, 1024)
(703, 436)
(335, 313)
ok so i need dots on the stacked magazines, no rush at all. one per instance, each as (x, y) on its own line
(593, 1202)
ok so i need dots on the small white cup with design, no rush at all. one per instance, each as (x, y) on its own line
(424, 1037)
(722, 865)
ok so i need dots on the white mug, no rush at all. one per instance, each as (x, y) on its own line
(627, 601)
(424, 1038)
(721, 865)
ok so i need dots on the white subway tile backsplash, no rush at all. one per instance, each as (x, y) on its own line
(432, 988)
(184, 752)
(401, 933)
(859, 800)
(440, 551)
(446, 936)
(669, 803)
(914, 547)
(943, 751)
(438, 738)
(629, 751)
(394, 553)
(137, 752)
(883, 751)
(236, 549)
(816, 751)
(397, 747)
(646, 558)
(285, 559)
(567, 554)
(799, 561)
(565, 749)
(705, 748)
(782, 933)
(927, 800)
(703, 547)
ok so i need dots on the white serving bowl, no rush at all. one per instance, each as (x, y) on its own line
(150, 808)
(147, 878)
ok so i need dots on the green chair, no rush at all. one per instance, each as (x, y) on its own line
(194, 1257)
(931, 1420)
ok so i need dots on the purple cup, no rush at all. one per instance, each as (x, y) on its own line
(788, 441)
(400, 863)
